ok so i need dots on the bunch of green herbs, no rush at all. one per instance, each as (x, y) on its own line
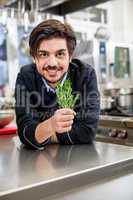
(65, 98)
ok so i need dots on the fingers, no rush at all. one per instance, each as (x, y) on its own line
(63, 126)
(66, 111)
(64, 118)
(63, 115)
(66, 124)
(65, 129)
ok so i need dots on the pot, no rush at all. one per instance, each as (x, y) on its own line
(125, 98)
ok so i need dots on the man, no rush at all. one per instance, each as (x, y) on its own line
(39, 118)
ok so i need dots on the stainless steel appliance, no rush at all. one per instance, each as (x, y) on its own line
(125, 98)
(115, 129)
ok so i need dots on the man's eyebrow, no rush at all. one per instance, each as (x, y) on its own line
(41, 50)
(61, 50)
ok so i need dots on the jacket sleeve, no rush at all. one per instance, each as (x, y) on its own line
(87, 115)
(27, 118)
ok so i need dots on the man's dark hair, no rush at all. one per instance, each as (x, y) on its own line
(49, 29)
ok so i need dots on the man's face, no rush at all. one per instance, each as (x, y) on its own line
(52, 59)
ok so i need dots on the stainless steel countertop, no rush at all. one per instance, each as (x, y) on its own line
(22, 170)
(112, 188)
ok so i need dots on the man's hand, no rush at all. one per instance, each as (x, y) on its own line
(62, 120)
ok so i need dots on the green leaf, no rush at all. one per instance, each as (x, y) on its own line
(65, 97)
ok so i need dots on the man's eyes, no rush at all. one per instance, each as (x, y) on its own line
(60, 54)
(43, 54)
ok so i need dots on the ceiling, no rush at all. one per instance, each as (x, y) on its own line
(60, 7)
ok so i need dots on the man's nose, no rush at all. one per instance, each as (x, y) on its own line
(52, 61)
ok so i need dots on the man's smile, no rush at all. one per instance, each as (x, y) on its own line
(52, 71)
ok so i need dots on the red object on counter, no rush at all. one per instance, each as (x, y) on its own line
(9, 129)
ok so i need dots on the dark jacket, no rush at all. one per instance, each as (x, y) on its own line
(35, 104)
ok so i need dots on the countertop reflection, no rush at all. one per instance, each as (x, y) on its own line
(20, 167)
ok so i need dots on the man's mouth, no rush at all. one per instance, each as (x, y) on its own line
(52, 70)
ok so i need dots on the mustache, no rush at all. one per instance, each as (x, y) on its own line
(49, 67)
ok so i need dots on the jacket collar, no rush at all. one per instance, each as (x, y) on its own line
(49, 88)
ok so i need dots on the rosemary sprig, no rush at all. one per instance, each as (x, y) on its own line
(65, 97)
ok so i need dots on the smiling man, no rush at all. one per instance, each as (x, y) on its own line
(52, 59)
(39, 118)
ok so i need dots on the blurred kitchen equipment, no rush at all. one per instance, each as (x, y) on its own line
(24, 44)
(7, 103)
(106, 102)
(102, 33)
(6, 116)
(84, 51)
(125, 98)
